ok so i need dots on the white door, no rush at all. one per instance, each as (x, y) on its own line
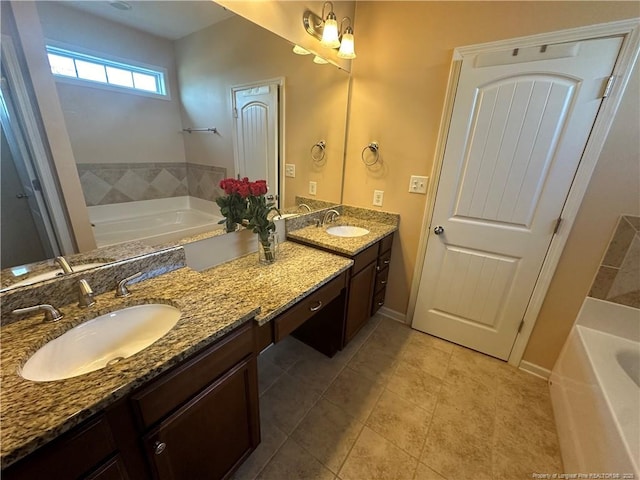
(256, 112)
(519, 125)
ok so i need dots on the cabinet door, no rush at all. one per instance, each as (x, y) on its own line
(211, 434)
(360, 297)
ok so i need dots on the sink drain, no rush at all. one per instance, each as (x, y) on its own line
(113, 361)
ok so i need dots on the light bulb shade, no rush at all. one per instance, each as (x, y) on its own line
(319, 60)
(330, 32)
(347, 49)
(298, 50)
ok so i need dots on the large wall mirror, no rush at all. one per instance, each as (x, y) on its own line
(145, 143)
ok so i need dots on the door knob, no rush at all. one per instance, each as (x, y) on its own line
(438, 230)
(22, 195)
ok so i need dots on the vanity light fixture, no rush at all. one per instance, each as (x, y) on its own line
(319, 60)
(298, 50)
(330, 28)
(326, 30)
(347, 49)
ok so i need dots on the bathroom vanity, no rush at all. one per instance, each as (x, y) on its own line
(187, 405)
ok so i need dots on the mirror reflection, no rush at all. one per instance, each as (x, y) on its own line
(163, 100)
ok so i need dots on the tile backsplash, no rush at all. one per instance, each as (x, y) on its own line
(107, 183)
(618, 278)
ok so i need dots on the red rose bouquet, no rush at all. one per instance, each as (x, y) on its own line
(246, 204)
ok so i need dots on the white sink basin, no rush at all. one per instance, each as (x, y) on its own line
(54, 273)
(100, 342)
(347, 231)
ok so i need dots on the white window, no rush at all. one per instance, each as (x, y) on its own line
(69, 64)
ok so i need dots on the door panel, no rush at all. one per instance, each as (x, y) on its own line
(516, 137)
(257, 135)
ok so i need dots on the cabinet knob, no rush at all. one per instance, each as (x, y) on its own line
(383, 282)
(380, 303)
(159, 447)
(317, 307)
(387, 261)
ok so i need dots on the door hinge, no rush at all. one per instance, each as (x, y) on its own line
(607, 88)
(557, 227)
(37, 186)
(520, 326)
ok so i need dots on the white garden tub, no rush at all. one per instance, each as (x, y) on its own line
(153, 221)
(595, 390)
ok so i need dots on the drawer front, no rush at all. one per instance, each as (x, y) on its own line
(286, 323)
(179, 385)
(386, 243)
(71, 456)
(378, 301)
(364, 258)
(381, 279)
(383, 261)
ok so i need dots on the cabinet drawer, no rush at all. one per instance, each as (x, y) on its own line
(364, 258)
(113, 469)
(378, 301)
(386, 243)
(381, 279)
(71, 456)
(306, 308)
(179, 385)
(383, 261)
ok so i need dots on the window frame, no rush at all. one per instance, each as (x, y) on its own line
(106, 60)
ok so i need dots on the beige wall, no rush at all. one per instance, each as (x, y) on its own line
(239, 52)
(399, 83)
(109, 126)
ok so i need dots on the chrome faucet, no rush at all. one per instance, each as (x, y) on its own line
(51, 314)
(121, 289)
(330, 216)
(303, 206)
(64, 265)
(85, 294)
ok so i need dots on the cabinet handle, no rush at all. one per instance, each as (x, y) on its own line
(383, 282)
(381, 303)
(387, 261)
(159, 447)
(317, 307)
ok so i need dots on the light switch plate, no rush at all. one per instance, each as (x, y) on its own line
(378, 196)
(312, 188)
(290, 170)
(418, 184)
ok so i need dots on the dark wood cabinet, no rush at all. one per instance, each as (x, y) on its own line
(200, 419)
(211, 434)
(360, 297)
(382, 273)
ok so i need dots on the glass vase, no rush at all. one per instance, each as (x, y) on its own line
(230, 226)
(268, 248)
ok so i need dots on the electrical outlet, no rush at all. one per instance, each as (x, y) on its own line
(290, 170)
(312, 188)
(418, 184)
(377, 197)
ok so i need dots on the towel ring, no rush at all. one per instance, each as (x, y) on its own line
(375, 148)
(318, 151)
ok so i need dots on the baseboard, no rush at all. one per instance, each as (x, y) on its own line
(393, 315)
(534, 369)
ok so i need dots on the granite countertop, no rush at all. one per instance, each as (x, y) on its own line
(298, 271)
(212, 303)
(350, 246)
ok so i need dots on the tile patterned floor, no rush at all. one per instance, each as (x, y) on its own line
(399, 404)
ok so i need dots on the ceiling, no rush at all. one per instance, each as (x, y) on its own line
(167, 19)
